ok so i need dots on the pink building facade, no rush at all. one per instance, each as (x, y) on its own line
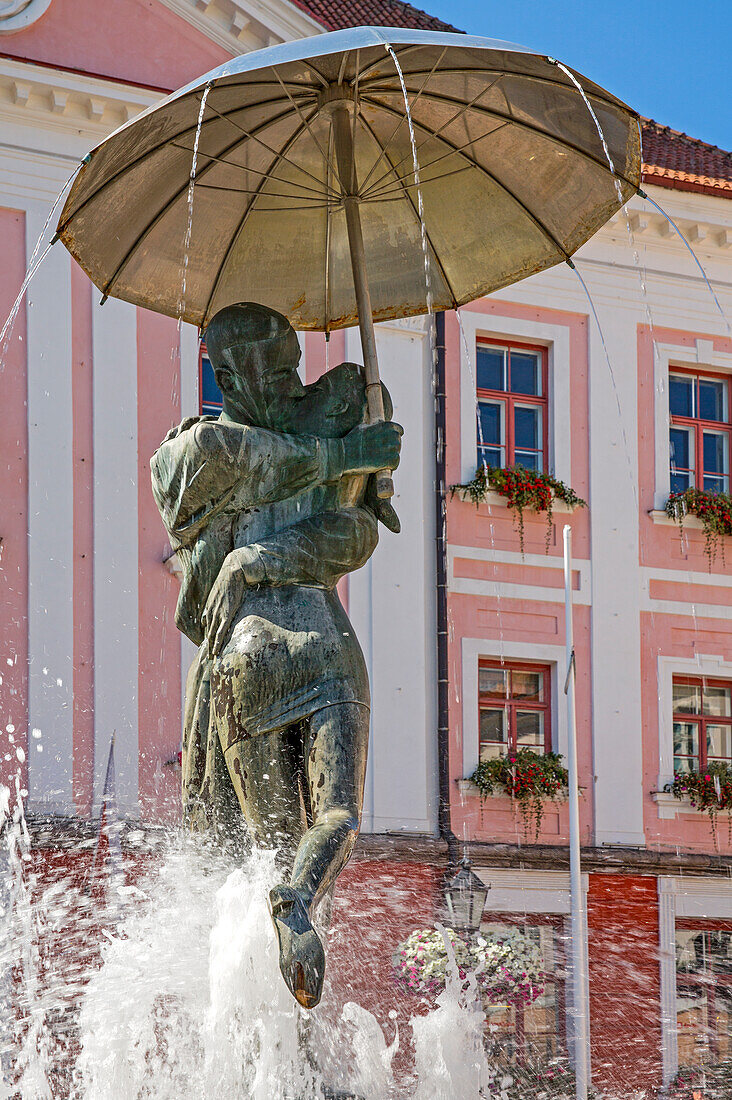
(88, 584)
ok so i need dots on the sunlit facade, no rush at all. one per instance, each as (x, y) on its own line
(622, 416)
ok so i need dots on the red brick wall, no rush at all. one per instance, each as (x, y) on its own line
(625, 1022)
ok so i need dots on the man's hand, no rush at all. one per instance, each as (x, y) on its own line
(242, 569)
(372, 447)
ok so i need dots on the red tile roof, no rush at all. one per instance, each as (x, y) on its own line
(336, 15)
(673, 159)
(670, 158)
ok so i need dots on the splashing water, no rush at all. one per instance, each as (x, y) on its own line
(188, 1001)
(653, 202)
(694, 257)
(191, 190)
(33, 265)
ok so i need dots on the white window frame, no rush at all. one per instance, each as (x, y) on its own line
(556, 338)
(667, 356)
(706, 898)
(475, 650)
(704, 665)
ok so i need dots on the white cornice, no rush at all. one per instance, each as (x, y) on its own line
(67, 101)
(240, 27)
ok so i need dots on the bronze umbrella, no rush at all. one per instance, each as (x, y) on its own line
(306, 195)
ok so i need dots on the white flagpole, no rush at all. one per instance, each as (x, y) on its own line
(580, 1008)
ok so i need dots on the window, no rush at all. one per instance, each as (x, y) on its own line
(530, 1033)
(700, 431)
(211, 399)
(702, 722)
(704, 995)
(512, 405)
(514, 709)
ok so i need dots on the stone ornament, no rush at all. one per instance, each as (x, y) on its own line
(16, 15)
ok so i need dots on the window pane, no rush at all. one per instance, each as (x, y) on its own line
(493, 735)
(682, 449)
(681, 395)
(211, 398)
(679, 482)
(530, 460)
(692, 1021)
(491, 372)
(686, 744)
(527, 685)
(715, 448)
(493, 681)
(718, 700)
(719, 742)
(530, 730)
(720, 950)
(525, 372)
(527, 427)
(712, 399)
(690, 951)
(687, 698)
(491, 423)
(716, 484)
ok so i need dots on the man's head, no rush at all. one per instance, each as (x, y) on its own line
(254, 353)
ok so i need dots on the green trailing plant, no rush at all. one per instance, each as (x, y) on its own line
(713, 509)
(524, 491)
(709, 790)
(529, 778)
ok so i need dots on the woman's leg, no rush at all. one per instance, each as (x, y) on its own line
(336, 770)
(266, 772)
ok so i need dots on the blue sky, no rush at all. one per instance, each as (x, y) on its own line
(669, 59)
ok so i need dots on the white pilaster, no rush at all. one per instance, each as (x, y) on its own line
(116, 548)
(667, 964)
(403, 765)
(50, 529)
(616, 584)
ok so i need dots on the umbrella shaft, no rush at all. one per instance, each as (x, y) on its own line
(343, 140)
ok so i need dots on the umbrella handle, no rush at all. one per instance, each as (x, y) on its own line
(343, 140)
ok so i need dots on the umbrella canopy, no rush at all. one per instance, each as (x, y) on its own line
(514, 179)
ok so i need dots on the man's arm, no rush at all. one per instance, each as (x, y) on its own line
(196, 472)
(317, 551)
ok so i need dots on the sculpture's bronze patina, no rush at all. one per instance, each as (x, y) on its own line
(268, 506)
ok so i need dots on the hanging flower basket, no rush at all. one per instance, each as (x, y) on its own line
(709, 790)
(713, 509)
(524, 490)
(529, 778)
(508, 968)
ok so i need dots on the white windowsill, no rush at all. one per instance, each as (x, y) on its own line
(496, 500)
(664, 520)
(670, 807)
(468, 787)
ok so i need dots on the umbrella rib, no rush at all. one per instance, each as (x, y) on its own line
(161, 145)
(256, 172)
(239, 229)
(398, 126)
(537, 221)
(420, 225)
(181, 190)
(399, 53)
(252, 134)
(513, 121)
(377, 187)
(396, 185)
(453, 118)
(303, 119)
(466, 71)
(319, 200)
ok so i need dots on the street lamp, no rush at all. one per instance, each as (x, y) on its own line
(465, 896)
